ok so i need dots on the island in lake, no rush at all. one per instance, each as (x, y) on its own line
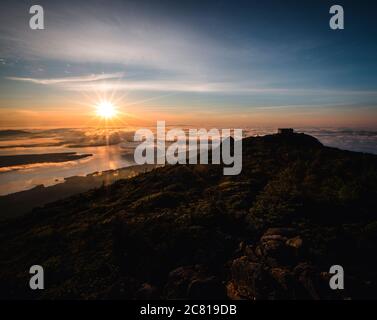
(25, 159)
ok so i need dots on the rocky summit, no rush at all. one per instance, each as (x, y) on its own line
(189, 232)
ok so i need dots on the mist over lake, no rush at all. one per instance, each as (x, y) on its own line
(114, 149)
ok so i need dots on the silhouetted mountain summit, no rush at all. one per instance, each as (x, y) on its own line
(188, 231)
(294, 140)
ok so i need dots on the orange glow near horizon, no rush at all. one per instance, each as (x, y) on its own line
(106, 111)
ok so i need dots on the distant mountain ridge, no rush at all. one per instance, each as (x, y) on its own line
(6, 133)
(188, 232)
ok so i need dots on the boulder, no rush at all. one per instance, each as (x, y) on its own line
(295, 242)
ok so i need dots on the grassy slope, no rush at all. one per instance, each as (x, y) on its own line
(166, 233)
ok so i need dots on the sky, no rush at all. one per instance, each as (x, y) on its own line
(203, 63)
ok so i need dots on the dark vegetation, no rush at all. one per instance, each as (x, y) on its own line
(272, 232)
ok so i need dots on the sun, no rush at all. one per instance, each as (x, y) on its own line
(106, 110)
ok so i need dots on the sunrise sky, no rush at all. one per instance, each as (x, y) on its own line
(203, 63)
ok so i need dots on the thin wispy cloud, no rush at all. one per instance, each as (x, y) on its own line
(69, 80)
(118, 82)
(130, 39)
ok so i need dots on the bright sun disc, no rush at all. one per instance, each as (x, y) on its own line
(106, 110)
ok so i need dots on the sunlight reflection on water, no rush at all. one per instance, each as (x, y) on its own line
(104, 158)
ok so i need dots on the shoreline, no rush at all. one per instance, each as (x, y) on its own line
(22, 202)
